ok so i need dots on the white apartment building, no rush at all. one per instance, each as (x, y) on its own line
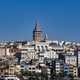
(78, 58)
(28, 52)
(75, 71)
(58, 66)
(71, 60)
(47, 54)
(41, 46)
(70, 52)
(32, 68)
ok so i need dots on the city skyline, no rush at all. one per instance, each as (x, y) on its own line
(59, 19)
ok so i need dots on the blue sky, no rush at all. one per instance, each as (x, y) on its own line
(60, 19)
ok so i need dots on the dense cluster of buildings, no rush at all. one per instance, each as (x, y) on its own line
(63, 57)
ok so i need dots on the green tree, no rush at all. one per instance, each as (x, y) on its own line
(71, 76)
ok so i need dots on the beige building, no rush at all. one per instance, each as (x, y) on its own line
(2, 51)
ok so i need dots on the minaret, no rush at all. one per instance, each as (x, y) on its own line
(37, 33)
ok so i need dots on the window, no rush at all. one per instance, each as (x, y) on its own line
(42, 48)
(33, 68)
(1, 70)
(46, 48)
(29, 68)
(38, 48)
(68, 60)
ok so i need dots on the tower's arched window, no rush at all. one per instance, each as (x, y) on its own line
(46, 48)
(38, 48)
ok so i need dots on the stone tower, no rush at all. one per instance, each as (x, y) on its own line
(37, 33)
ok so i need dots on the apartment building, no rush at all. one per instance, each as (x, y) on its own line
(71, 60)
